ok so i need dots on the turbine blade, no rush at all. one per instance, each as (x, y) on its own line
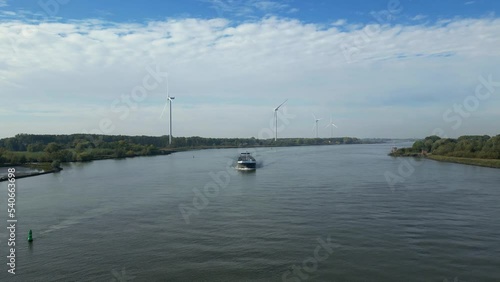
(280, 105)
(167, 87)
(314, 116)
(164, 109)
(334, 125)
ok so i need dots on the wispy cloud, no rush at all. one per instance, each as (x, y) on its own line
(103, 13)
(339, 22)
(8, 13)
(469, 2)
(3, 3)
(268, 6)
(219, 71)
(418, 17)
(249, 8)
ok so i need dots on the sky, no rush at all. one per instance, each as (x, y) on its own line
(376, 69)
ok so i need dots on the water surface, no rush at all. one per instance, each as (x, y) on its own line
(119, 220)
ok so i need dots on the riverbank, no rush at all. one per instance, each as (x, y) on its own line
(31, 174)
(493, 163)
(405, 154)
(478, 150)
(46, 168)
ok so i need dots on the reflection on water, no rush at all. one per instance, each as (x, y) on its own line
(93, 218)
(19, 171)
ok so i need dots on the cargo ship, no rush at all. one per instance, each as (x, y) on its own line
(246, 162)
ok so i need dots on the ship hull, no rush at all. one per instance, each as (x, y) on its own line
(246, 162)
(246, 166)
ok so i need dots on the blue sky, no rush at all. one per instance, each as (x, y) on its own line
(357, 11)
(374, 67)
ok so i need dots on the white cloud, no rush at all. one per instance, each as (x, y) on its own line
(8, 13)
(268, 5)
(339, 22)
(103, 13)
(418, 17)
(247, 8)
(227, 77)
(3, 3)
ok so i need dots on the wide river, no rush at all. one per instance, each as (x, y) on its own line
(320, 213)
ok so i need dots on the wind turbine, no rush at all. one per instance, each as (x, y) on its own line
(316, 124)
(332, 125)
(276, 120)
(169, 102)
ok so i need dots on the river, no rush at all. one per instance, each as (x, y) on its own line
(318, 213)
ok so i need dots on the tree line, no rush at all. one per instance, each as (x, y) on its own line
(468, 146)
(29, 148)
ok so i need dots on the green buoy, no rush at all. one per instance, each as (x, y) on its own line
(30, 236)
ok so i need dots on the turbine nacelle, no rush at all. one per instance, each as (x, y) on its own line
(316, 119)
(277, 108)
(315, 126)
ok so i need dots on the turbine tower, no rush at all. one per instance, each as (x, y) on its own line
(316, 124)
(332, 125)
(276, 120)
(170, 127)
(169, 102)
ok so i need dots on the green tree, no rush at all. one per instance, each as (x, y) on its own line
(52, 147)
(120, 153)
(444, 146)
(22, 159)
(56, 164)
(84, 157)
(418, 145)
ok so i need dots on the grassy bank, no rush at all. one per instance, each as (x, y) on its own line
(43, 168)
(494, 163)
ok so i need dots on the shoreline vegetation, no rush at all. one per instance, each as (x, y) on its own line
(45, 153)
(467, 161)
(478, 150)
